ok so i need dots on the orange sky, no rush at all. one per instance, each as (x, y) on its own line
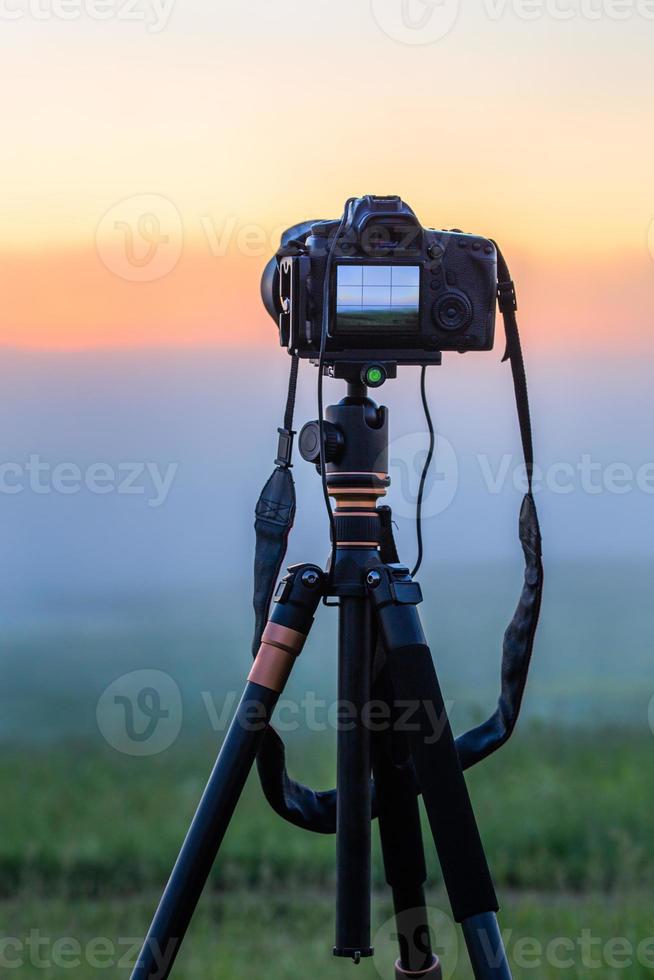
(195, 143)
(69, 299)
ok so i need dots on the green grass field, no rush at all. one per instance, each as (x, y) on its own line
(355, 320)
(285, 933)
(89, 836)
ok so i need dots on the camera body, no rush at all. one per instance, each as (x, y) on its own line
(394, 290)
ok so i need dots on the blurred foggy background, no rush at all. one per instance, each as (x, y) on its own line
(94, 585)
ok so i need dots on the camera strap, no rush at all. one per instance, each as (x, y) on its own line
(275, 512)
(274, 516)
(519, 637)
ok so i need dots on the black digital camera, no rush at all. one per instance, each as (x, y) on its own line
(393, 289)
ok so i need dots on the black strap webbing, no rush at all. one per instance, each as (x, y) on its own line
(274, 516)
(296, 803)
(518, 644)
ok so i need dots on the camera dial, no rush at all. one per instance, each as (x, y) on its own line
(452, 311)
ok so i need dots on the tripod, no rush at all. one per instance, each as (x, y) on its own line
(383, 655)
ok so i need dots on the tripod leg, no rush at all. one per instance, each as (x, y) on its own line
(354, 805)
(282, 642)
(404, 860)
(436, 761)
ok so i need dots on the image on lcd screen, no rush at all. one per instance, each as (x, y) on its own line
(377, 297)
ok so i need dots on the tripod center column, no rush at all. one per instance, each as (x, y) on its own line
(359, 476)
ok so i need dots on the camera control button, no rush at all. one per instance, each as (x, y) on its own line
(452, 311)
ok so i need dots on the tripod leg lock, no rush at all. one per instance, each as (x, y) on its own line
(393, 584)
(285, 633)
(394, 595)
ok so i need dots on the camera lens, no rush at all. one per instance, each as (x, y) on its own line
(270, 288)
(452, 311)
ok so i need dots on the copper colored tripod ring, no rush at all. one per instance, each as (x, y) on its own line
(280, 645)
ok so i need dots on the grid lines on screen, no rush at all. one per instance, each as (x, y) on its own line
(377, 297)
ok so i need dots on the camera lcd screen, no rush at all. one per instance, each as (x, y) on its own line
(372, 298)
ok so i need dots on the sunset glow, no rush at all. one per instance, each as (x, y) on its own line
(226, 149)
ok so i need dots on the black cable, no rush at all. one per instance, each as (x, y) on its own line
(292, 391)
(323, 473)
(425, 468)
(321, 419)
